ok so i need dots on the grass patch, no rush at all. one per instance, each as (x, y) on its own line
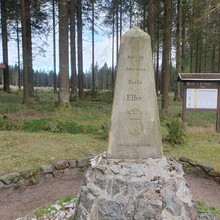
(67, 199)
(201, 119)
(195, 119)
(203, 208)
(64, 125)
(38, 133)
(202, 148)
(8, 125)
(43, 101)
(23, 150)
(35, 125)
(11, 102)
(47, 209)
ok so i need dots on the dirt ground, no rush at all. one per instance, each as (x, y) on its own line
(204, 189)
(22, 201)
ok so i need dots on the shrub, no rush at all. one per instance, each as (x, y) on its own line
(71, 127)
(35, 125)
(7, 125)
(176, 132)
(104, 131)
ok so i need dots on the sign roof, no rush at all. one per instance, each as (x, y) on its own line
(199, 77)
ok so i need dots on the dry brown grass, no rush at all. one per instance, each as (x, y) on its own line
(204, 148)
(201, 130)
(24, 150)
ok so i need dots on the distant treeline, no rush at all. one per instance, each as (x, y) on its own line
(42, 78)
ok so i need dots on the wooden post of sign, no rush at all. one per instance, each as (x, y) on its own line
(218, 110)
(2, 66)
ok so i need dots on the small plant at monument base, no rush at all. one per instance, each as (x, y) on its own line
(176, 132)
(104, 130)
(203, 208)
(49, 211)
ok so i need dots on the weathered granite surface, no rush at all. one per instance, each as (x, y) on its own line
(135, 190)
(135, 130)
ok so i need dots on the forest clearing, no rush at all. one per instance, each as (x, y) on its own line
(40, 133)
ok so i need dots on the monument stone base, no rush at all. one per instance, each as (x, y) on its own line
(135, 190)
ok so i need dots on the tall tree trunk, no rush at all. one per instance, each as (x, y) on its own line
(197, 54)
(93, 51)
(54, 50)
(121, 14)
(73, 49)
(219, 56)
(80, 47)
(191, 40)
(151, 22)
(205, 57)
(213, 58)
(157, 42)
(131, 11)
(165, 59)
(157, 64)
(18, 52)
(183, 33)
(178, 49)
(26, 58)
(6, 86)
(28, 39)
(200, 56)
(191, 55)
(29, 45)
(117, 29)
(63, 54)
(144, 16)
(113, 48)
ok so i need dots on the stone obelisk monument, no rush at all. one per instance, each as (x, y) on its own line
(135, 130)
(135, 182)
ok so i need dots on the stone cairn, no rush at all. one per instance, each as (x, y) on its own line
(134, 181)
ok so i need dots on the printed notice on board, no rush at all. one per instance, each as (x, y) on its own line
(201, 98)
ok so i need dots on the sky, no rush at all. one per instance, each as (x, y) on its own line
(44, 61)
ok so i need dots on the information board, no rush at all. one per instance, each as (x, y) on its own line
(201, 98)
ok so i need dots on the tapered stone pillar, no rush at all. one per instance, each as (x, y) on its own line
(135, 128)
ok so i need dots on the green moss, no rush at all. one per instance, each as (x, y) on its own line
(47, 209)
(35, 125)
(202, 207)
(67, 199)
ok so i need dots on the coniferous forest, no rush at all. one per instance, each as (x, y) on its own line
(185, 37)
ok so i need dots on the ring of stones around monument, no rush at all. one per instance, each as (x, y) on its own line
(29, 177)
(149, 189)
(10, 181)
